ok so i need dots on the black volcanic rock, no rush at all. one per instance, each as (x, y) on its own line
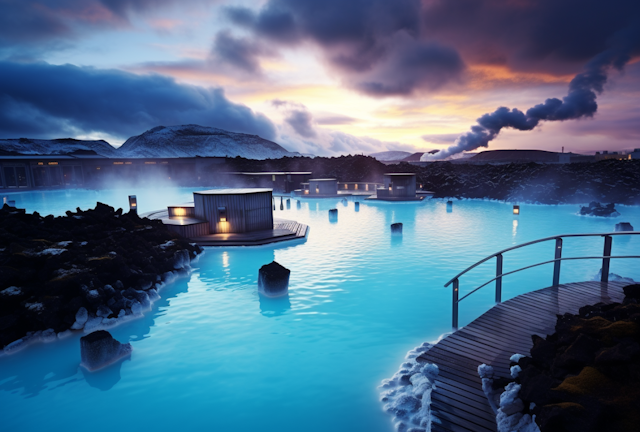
(100, 349)
(586, 375)
(97, 260)
(597, 209)
(273, 280)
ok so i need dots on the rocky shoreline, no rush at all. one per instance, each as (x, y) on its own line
(586, 376)
(88, 270)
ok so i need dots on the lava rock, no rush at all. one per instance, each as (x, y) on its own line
(596, 209)
(273, 280)
(396, 228)
(100, 349)
(624, 226)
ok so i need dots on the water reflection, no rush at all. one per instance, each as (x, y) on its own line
(104, 379)
(396, 240)
(272, 307)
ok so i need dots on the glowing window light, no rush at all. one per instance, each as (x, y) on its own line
(516, 209)
(40, 163)
(346, 186)
(356, 187)
(366, 187)
(53, 163)
(317, 189)
(306, 191)
(149, 163)
(179, 211)
(222, 214)
(118, 163)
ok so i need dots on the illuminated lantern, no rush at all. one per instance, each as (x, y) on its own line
(516, 209)
(133, 203)
(222, 214)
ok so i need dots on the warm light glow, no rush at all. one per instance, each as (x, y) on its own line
(53, 163)
(306, 191)
(317, 190)
(179, 211)
(223, 219)
(516, 209)
(128, 163)
(118, 163)
(40, 163)
(149, 163)
(346, 186)
(366, 187)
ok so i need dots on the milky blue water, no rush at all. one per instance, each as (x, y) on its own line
(213, 355)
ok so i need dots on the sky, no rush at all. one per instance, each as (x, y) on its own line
(328, 77)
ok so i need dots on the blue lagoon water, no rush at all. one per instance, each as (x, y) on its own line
(212, 355)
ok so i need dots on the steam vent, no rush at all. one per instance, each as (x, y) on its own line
(230, 217)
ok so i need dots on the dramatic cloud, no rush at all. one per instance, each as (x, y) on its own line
(580, 101)
(298, 117)
(238, 52)
(375, 45)
(532, 35)
(40, 25)
(46, 101)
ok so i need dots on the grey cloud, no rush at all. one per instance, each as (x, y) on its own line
(40, 100)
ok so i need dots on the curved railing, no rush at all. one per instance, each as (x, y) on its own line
(606, 258)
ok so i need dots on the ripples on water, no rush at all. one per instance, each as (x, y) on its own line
(215, 356)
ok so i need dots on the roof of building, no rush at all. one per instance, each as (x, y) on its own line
(400, 174)
(274, 173)
(233, 191)
(322, 180)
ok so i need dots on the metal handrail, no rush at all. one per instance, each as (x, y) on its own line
(606, 257)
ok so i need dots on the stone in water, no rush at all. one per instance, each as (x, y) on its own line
(100, 349)
(273, 280)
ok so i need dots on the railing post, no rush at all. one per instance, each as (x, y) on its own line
(605, 261)
(556, 265)
(454, 310)
(499, 278)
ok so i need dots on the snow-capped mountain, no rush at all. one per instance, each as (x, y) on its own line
(194, 140)
(392, 155)
(26, 146)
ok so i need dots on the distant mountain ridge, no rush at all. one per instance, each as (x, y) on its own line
(26, 146)
(194, 140)
(161, 141)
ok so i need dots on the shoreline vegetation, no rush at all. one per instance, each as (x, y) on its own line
(87, 270)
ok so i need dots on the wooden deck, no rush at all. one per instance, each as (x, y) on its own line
(283, 230)
(458, 402)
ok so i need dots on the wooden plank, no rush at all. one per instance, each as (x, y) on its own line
(458, 402)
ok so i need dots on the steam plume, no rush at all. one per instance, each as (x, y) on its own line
(579, 102)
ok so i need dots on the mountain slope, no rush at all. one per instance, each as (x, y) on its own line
(390, 155)
(26, 146)
(194, 140)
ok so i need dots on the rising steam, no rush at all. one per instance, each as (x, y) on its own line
(579, 102)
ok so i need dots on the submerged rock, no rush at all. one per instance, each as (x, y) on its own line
(100, 349)
(273, 280)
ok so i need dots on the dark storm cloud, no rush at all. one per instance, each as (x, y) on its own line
(43, 100)
(239, 52)
(408, 66)
(533, 35)
(376, 45)
(580, 101)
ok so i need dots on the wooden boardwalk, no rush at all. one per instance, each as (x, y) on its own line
(283, 230)
(458, 402)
